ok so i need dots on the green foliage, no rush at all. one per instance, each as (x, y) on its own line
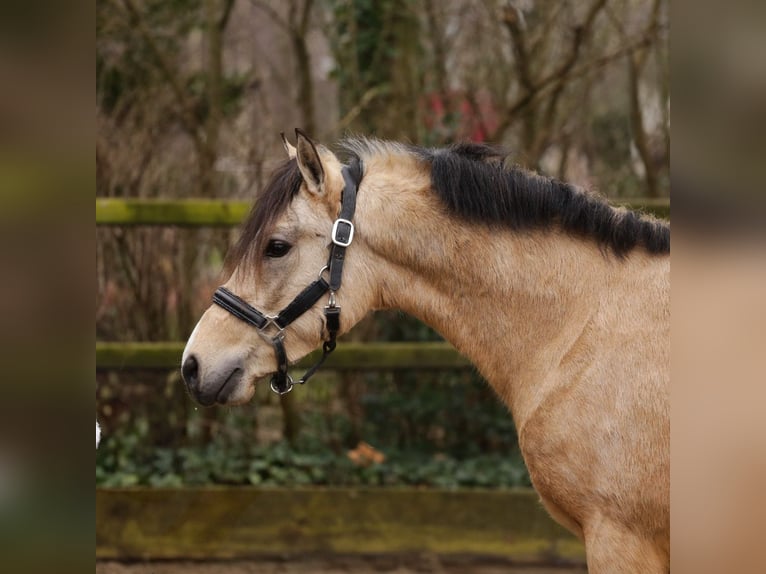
(125, 63)
(443, 430)
(281, 465)
(456, 414)
(609, 144)
(359, 41)
(398, 326)
(611, 138)
(127, 68)
(375, 44)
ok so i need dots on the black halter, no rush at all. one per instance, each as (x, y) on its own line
(342, 236)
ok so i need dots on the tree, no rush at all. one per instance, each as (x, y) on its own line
(296, 25)
(377, 57)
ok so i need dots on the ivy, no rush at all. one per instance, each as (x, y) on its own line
(279, 465)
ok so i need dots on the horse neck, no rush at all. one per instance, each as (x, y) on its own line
(514, 303)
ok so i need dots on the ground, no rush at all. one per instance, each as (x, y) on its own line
(420, 564)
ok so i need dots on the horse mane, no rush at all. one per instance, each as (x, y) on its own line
(473, 182)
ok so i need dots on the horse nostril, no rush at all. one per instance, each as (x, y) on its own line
(190, 372)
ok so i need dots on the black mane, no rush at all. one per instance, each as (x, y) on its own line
(473, 183)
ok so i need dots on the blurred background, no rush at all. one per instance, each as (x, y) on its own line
(191, 97)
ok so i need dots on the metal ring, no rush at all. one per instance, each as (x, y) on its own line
(287, 390)
(322, 270)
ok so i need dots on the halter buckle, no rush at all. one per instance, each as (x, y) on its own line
(338, 237)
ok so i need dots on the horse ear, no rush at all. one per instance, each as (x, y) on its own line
(289, 148)
(309, 163)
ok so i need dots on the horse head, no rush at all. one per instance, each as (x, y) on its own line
(273, 309)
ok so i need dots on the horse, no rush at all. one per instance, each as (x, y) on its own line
(559, 299)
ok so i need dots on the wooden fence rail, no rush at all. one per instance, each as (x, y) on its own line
(179, 212)
(348, 356)
(228, 213)
(225, 523)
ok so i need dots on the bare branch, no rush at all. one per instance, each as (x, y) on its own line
(640, 137)
(514, 21)
(364, 101)
(581, 36)
(576, 72)
(223, 21)
(438, 45)
(304, 21)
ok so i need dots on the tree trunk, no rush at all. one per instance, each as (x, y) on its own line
(290, 418)
(640, 137)
(305, 83)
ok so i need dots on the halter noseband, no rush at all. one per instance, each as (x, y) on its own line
(342, 236)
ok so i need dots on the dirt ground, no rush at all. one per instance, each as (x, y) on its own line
(339, 565)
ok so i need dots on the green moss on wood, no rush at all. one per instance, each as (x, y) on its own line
(215, 212)
(186, 212)
(206, 523)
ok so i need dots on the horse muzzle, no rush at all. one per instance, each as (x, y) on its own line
(222, 384)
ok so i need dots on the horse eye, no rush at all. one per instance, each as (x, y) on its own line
(277, 248)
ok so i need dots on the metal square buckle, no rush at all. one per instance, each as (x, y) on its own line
(335, 229)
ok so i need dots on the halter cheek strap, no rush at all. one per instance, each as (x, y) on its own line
(342, 236)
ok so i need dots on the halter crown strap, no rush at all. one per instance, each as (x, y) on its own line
(342, 236)
(343, 229)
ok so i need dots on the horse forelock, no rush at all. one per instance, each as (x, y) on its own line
(270, 204)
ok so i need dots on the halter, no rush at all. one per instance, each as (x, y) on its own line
(342, 236)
